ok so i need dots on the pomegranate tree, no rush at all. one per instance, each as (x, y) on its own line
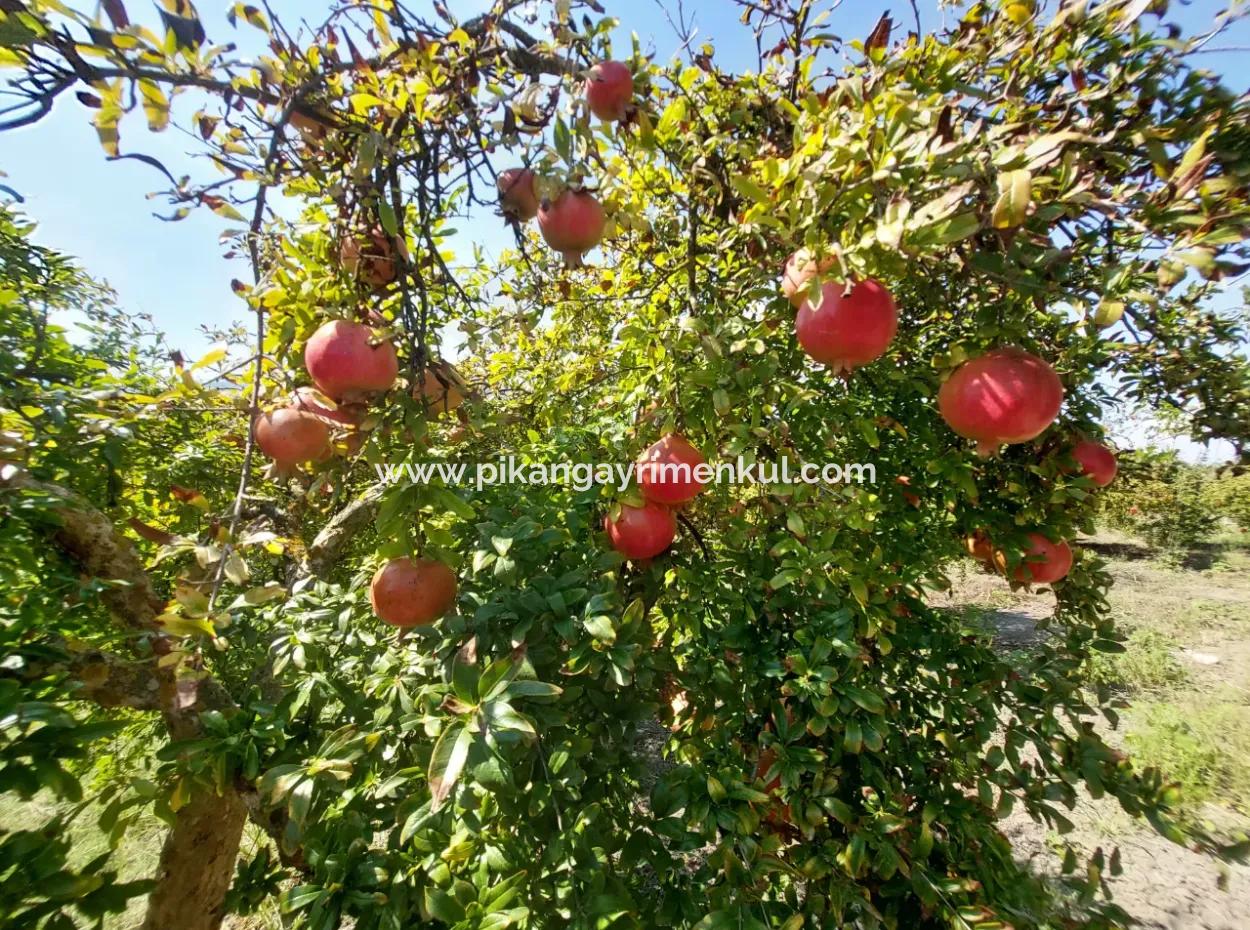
(412, 592)
(517, 199)
(572, 224)
(1098, 463)
(641, 532)
(289, 435)
(666, 471)
(349, 361)
(1005, 396)
(610, 91)
(847, 328)
(1044, 562)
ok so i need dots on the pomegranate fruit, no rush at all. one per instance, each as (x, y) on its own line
(310, 400)
(848, 328)
(370, 257)
(441, 391)
(412, 592)
(346, 365)
(289, 435)
(641, 532)
(1096, 460)
(666, 471)
(517, 199)
(572, 224)
(610, 91)
(1004, 396)
(978, 546)
(800, 269)
(1044, 562)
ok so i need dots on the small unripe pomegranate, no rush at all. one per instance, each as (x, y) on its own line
(801, 267)
(288, 435)
(610, 91)
(370, 256)
(1096, 460)
(641, 532)
(572, 224)
(310, 400)
(346, 365)
(1044, 562)
(412, 592)
(1004, 396)
(666, 471)
(848, 328)
(517, 199)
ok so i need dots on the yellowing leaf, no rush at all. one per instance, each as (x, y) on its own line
(1015, 193)
(209, 358)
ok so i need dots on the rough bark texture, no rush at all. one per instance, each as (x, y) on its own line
(197, 864)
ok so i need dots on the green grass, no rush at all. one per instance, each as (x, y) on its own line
(1148, 664)
(1202, 743)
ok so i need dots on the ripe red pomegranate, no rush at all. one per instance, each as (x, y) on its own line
(572, 224)
(1004, 396)
(800, 269)
(371, 257)
(412, 592)
(848, 329)
(779, 816)
(641, 532)
(666, 471)
(1045, 562)
(517, 199)
(345, 364)
(288, 435)
(310, 400)
(1096, 460)
(610, 91)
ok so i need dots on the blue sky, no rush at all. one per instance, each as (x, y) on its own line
(99, 211)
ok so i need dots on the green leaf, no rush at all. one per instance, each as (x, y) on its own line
(386, 216)
(749, 189)
(465, 672)
(868, 700)
(447, 761)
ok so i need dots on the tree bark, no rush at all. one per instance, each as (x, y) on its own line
(197, 860)
(197, 864)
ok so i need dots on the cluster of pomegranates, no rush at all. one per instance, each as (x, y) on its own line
(1003, 397)
(572, 222)
(348, 364)
(1046, 562)
(666, 478)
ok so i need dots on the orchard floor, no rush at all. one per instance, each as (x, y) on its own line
(1186, 674)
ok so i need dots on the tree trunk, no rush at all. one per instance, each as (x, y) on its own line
(197, 864)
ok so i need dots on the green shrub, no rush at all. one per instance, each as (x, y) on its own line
(1162, 500)
(1229, 497)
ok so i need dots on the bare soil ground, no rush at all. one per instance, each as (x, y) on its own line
(1188, 659)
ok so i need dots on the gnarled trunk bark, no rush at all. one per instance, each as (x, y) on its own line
(197, 864)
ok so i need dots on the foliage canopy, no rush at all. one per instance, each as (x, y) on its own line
(1060, 180)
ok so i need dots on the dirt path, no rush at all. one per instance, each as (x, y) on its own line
(1162, 886)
